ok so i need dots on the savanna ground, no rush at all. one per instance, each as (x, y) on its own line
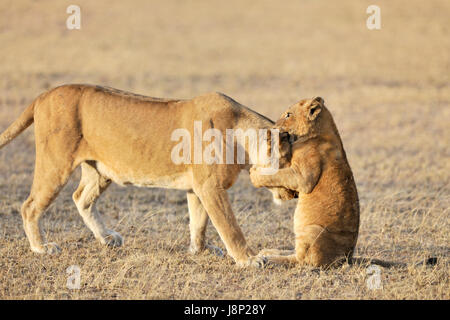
(388, 90)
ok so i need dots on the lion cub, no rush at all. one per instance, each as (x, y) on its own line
(326, 219)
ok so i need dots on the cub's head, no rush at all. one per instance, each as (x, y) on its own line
(306, 119)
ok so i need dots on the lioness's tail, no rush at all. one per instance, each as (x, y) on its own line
(18, 126)
(388, 264)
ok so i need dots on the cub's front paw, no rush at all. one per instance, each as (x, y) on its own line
(286, 194)
(282, 194)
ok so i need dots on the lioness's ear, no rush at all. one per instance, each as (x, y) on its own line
(284, 136)
(314, 111)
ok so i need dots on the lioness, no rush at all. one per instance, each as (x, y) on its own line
(326, 219)
(126, 138)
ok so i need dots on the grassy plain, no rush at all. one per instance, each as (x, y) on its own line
(388, 89)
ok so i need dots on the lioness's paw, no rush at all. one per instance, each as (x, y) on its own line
(193, 249)
(52, 248)
(112, 239)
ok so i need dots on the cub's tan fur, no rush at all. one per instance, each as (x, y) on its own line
(326, 219)
(126, 138)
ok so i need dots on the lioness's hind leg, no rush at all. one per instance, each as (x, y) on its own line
(48, 181)
(91, 186)
(32, 210)
(198, 221)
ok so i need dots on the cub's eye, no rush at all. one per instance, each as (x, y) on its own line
(287, 115)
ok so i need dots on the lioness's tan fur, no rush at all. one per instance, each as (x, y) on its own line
(126, 138)
(326, 219)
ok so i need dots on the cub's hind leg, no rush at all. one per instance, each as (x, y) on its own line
(311, 243)
(276, 256)
(281, 259)
(91, 186)
(275, 252)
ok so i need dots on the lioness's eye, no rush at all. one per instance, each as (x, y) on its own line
(287, 115)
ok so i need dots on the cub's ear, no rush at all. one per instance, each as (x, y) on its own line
(313, 111)
(319, 100)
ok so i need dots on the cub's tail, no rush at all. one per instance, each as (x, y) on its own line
(18, 126)
(389, 264)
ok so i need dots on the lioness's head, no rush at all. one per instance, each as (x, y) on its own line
(307, 118)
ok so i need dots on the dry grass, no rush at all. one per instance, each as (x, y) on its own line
(389, 91)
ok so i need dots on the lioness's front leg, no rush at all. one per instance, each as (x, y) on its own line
(198, 221)
(215, 200)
